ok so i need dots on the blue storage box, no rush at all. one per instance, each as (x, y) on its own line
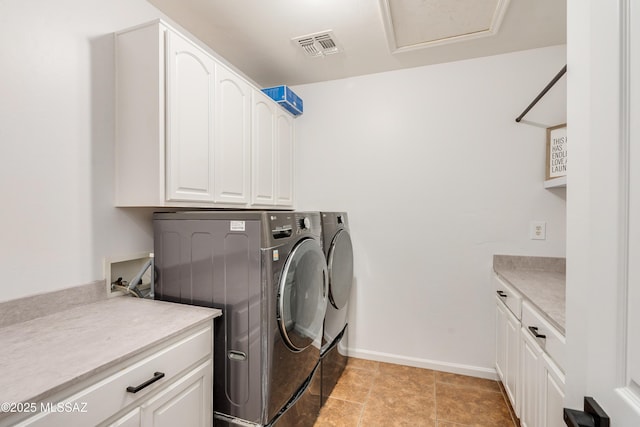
(285, 97)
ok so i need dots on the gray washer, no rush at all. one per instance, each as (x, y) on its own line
(268, 274)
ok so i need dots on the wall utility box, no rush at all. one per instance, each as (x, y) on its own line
(285, 97)
(126, 267)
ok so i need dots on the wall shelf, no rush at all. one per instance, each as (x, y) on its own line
(556, 182)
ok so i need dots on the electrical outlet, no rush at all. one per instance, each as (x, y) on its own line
(537, 230)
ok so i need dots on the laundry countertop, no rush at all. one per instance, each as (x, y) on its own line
(44, 355)
(540, 280)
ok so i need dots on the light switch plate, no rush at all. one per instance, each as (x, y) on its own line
(538, 230)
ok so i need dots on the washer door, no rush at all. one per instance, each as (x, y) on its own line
(302, 295)
(340, 264)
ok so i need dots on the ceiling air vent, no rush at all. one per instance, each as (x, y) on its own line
(318, 44)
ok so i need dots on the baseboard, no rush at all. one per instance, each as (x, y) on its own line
(454, 368)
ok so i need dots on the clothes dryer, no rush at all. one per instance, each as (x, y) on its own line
(339, 254)
(268, 274)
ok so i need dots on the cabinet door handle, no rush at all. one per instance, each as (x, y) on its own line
(156, 377)
(501, 294)
(534, 331)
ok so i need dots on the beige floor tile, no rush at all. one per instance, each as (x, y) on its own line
(354, 385)
(409, 374)
(377, 394)
(339, 413)
(412, 386)
(369, 365)
(466, 381)
(471, 406)
(450, 424)
(399, 406)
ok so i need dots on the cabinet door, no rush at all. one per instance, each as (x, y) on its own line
(263, 148)
(190, 111)
(131, 419)
(501, 341)
(512, 373)
(232, 140)
(508, 352)
(187, 402)
(552, 394)
(284, 163)
(530, 375)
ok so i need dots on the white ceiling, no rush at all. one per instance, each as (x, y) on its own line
(256, 35)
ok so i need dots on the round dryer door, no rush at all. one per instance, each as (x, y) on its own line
(302, 295)
(340, 264)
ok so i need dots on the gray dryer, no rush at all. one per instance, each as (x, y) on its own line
(339, 254)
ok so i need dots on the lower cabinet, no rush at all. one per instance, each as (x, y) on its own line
(508, 351)
(169, 385)
(542, 385)
(552, 394)
(530, 378)
(541, 378)
(185, 402)
(529, 358)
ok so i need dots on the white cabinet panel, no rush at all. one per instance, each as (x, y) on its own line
(132, 419)
(263, 150)
(552, 394)
(554, 342)
(186, 402)
(513, 363)
(508, 351)
(108, 402)
(190, 112)
(509, 296)
(272, 148)
(530, 380)
(233, 143)
(501, 341)
(185, 128)
(284, 177)
(525, 363)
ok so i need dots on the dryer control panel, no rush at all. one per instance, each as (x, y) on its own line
(308, 223)
(294, 224)
(282, 225)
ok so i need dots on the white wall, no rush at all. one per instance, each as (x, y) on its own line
(436, 177)
(56, 143)
(431, 167)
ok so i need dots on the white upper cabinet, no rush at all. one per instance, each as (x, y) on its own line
(263, 148)
(186, 125)
(233, 138)
(190, 128)
(284, 171)
(272, 153)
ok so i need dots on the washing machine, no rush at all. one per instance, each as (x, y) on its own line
(338, 251)
(267, 272)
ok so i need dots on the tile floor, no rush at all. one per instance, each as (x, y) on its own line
(371, 394)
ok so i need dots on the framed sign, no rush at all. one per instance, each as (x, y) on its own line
(556, 151)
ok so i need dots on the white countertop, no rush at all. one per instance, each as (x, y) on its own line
(540, 280)
(41, 356)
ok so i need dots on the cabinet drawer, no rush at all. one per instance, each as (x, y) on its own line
(554, 342)
(509, 296)
(102, 398)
